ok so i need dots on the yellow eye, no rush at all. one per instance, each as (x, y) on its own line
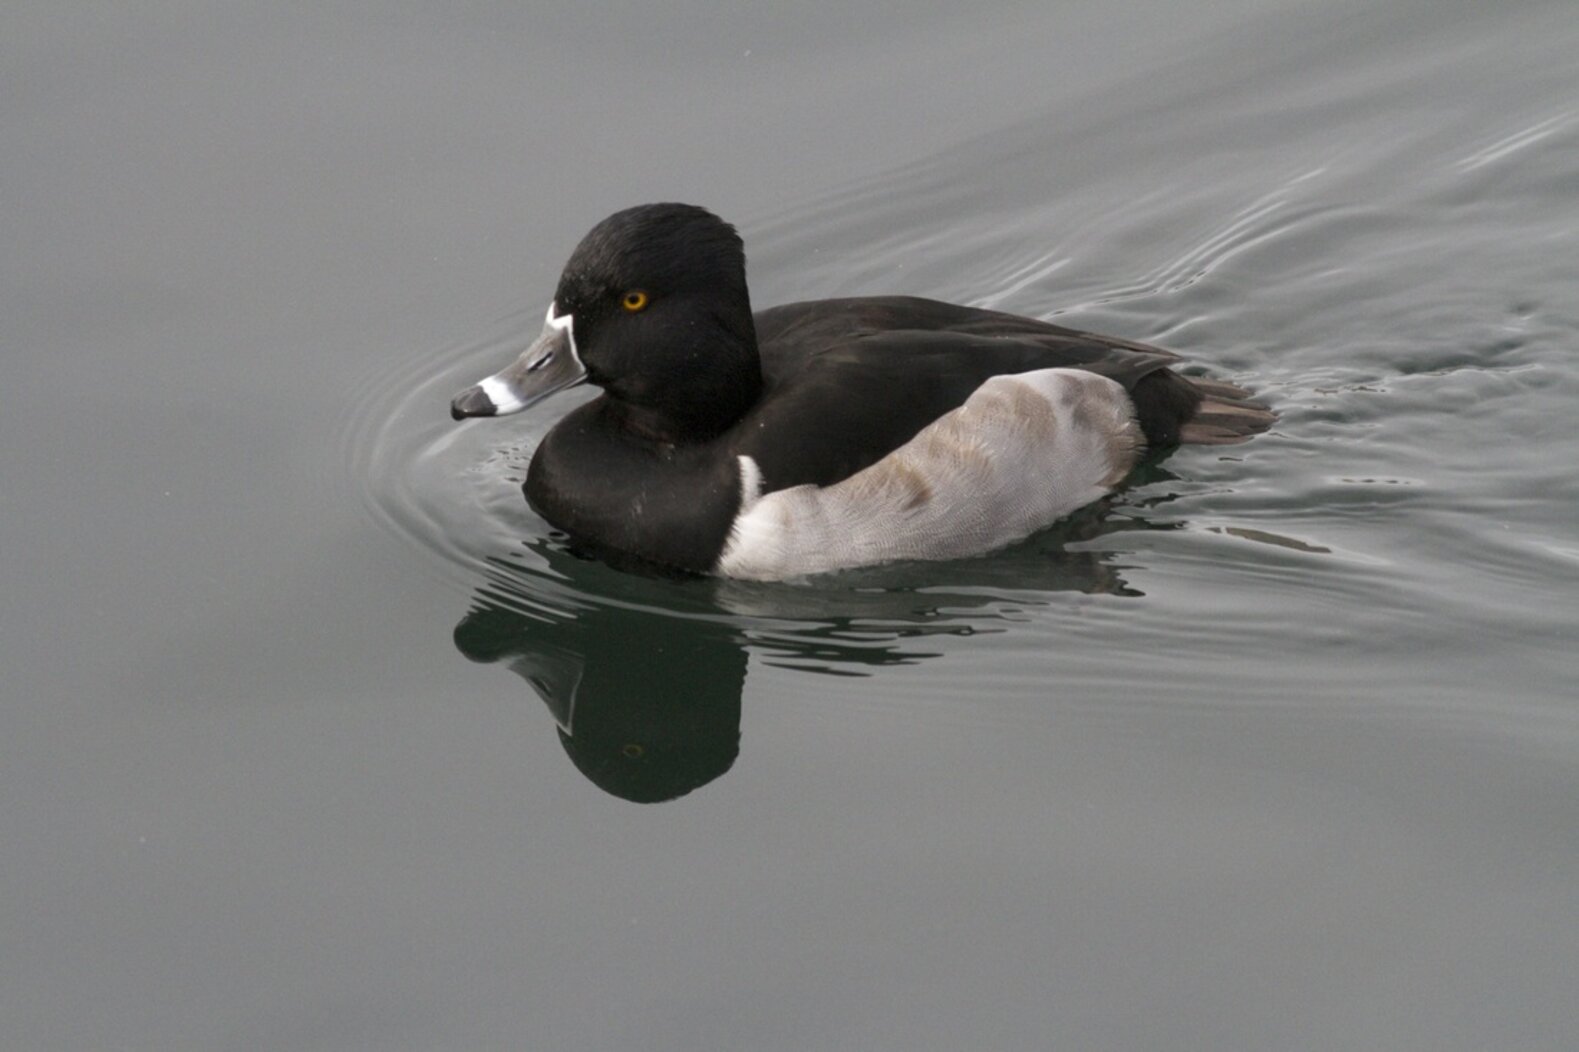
(634, 300)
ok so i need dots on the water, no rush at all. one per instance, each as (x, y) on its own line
(315, 737)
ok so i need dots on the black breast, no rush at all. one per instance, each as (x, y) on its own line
(615, 491)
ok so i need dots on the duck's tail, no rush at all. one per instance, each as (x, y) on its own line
(1226, 414)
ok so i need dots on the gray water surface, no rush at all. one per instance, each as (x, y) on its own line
(313, 736)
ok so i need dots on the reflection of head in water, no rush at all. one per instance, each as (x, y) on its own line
(648, 704)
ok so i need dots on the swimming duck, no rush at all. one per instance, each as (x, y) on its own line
(827, 434)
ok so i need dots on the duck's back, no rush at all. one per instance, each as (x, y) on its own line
(850, 380)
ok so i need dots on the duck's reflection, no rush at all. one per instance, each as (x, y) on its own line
(644, 675)
(648, 706)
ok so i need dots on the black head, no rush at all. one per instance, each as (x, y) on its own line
(662, 319)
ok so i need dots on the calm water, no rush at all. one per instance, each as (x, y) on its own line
(314, 737)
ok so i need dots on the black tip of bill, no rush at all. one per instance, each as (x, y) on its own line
(473, 401)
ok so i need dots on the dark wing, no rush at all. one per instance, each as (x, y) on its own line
(849, 381)
(825, 322)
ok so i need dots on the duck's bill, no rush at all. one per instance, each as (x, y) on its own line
(550, 364)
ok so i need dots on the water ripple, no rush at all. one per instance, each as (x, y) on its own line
(1519, 140)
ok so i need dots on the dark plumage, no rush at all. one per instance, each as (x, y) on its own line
(812, 392)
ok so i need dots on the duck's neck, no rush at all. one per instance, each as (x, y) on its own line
(703, 395)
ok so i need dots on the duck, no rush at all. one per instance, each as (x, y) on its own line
(822, 435)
